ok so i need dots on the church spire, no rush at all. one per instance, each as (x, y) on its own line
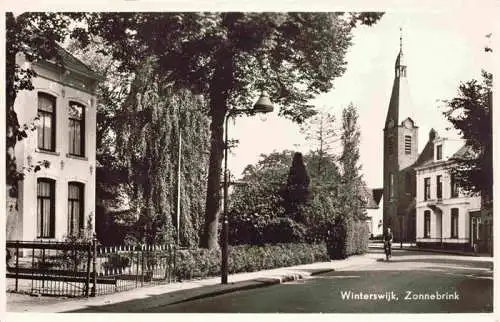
(400, 106)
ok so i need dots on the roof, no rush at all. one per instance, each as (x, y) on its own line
(369, 197)
(426, 158)
(76, 65)
(377, 195)
(427, 155)
(400, 61)
(400, 104)
(464, 152)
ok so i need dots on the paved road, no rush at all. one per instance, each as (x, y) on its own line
(464, 284)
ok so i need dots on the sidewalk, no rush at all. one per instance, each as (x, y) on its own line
(184, 291)
(413, 247)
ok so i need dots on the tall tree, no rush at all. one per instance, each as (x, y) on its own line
(230, 57)
(148, 141)
(320, 131)
(351, 180)
(471, 113)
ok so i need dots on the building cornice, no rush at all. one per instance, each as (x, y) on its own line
(82, 89)
(434, 164)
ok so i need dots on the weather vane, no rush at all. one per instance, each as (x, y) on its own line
(400, 38)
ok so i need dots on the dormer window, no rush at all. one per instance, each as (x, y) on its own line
(439, 152)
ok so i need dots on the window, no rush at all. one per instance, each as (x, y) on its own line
(75, 208)
(45, 208)
(439, 152)
(408, 182)
(390, 145)
(439, 187)
(391, 185)
(453, 187)
(427, 224)
(76, 129)
(47, 124)
(427, 188)
(407, 144)
(454, 222)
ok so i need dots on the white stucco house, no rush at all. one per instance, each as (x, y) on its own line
(59, 200)
(445, 215)
(374, 211)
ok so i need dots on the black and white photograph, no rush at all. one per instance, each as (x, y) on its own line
(249, 161)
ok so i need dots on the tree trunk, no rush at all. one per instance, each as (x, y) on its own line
(219, 96)
(12, 124)
(209, 238)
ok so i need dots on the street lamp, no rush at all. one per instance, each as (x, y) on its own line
(263, 105)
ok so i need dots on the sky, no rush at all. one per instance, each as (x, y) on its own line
(442, 49)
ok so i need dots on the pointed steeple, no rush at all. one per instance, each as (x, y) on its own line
(400, 66)
(400, 107)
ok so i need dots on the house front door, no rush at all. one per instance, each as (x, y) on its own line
(475, 222)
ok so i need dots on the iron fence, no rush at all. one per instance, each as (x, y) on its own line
(86, 269)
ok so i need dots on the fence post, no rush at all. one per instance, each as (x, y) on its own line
(89, 257)
(143, 252)
(173, 271)
(137, 267)
(43, 268)
(94, 266)
(17, 265)
(32, 266)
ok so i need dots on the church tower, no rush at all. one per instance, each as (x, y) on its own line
(400, 153)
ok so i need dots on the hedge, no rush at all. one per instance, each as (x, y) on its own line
(201, 263)
(279, 230)
(348, 238)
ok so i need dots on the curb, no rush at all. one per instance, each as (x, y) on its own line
(430, 250)
(322, 271)
(254, 285)
(188, 296)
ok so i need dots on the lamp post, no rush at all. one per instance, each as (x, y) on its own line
(263, 105)
(179, 159)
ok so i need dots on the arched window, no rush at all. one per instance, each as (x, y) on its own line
(45, 208)
(76, 129)
(75, 208)
(47, 123)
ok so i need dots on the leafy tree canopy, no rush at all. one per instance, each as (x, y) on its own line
(470, 113)
(293, 56)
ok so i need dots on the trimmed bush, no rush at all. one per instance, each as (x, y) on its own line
(261, 230)
(200, 263)
(197, 263)
(284, 230)
(357, 238)
(348, 238)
